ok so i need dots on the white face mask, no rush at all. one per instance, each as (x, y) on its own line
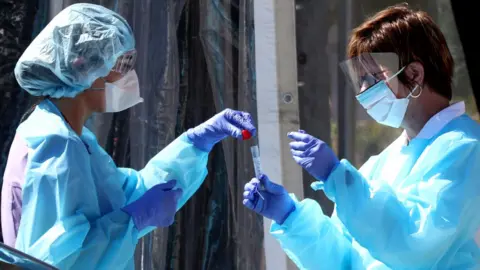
(122, 94)
(382, 104)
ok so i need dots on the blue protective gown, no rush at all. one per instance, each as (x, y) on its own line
(414, 206)
(73, 193)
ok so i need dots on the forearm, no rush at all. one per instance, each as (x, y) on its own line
(180, 161)
(312, 241)
(401, 237)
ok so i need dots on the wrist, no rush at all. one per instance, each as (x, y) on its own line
(198, 140)
(332, 168)
(136, 218)
(287, 214)
(192, 135)
(325, 174)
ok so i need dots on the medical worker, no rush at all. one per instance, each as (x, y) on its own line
(64, 200)
(416, 204)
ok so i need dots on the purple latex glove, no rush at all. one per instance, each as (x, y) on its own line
(224, 124)
(314, 155)
(157, 207)
(276, 203)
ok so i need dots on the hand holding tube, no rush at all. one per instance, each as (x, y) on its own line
(276, 205)
(226, 123)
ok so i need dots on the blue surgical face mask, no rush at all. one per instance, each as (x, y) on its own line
(382, 104)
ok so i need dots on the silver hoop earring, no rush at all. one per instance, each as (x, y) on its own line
(419, 91)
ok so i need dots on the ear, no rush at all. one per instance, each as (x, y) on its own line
(113, 76)
(98, 84)
(415, 73)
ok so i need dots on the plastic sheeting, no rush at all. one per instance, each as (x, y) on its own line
(194, 60)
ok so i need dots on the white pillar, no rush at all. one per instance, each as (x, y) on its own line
(277, 105)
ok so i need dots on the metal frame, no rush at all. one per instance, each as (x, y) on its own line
(346, 99)
(20, 259)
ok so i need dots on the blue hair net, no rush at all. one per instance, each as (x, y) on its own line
(79, 45)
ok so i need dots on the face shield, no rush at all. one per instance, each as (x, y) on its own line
(373, 77)
(79, 45)
(125, 62)
(367, 69)
(125, 92)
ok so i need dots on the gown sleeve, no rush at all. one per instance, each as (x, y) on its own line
(312, 241)
(426, 230)
(181, 161)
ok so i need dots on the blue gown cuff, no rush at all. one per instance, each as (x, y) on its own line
(276, 228)
(184, 137)
(339, 173)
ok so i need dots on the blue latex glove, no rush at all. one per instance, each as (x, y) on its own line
(224, 124)
(314, 155)
(157, 207)
(276, 203)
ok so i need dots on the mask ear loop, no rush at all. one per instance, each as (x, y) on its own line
(98, 88)
(395, 75)
(419, 91)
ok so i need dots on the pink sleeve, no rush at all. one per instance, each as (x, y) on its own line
(13, 179)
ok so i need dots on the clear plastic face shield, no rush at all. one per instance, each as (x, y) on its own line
(374, 78)
(124, 93)
(126, 62)
(368, 69)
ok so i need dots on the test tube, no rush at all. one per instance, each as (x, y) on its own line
(256, 164)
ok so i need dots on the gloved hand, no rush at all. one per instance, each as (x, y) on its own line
(224, 124)
(157, 207)
(276, 203)
(315, 156)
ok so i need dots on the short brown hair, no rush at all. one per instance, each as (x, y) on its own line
(413, 36)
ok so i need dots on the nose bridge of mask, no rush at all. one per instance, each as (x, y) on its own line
(379, 91)
(375, 94)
